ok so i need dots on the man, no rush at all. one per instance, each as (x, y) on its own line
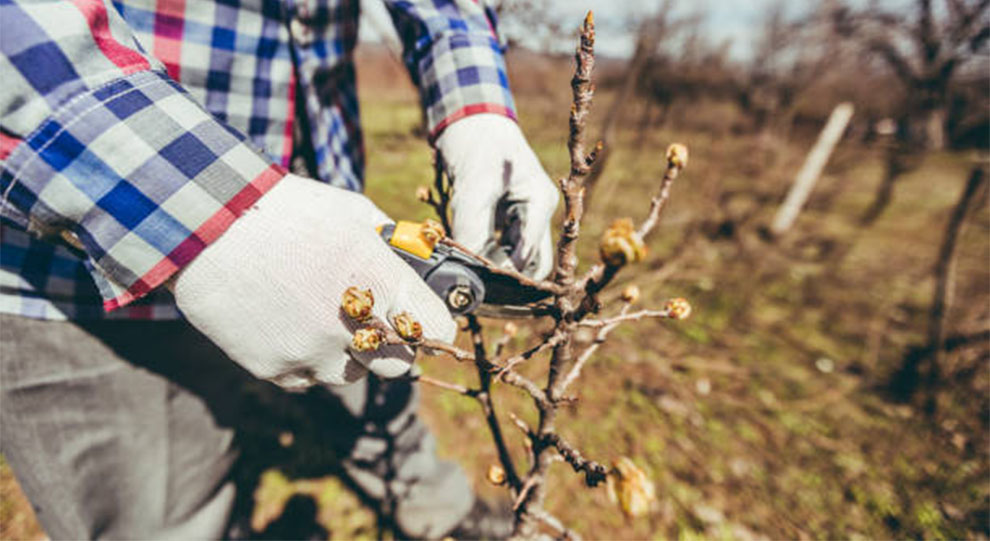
(144, 147)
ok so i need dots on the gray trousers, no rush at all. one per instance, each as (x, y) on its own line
(145, 430)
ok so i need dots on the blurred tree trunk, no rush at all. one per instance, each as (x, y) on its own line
(931, 371)
(935, 129)
(901, 157)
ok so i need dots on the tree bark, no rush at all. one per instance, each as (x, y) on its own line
(933, 121)
(942, 297)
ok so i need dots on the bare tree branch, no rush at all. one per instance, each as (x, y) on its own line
(542, 285)
(484, 397)
(594, 473)
(570, 301)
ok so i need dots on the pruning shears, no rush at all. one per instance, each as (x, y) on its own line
(464, 283)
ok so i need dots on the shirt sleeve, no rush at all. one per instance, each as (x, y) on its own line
(99, 145)
(452, 50)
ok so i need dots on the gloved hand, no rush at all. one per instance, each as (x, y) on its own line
(499, 184)
(268, 291)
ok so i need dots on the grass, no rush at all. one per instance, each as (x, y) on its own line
(730, 412)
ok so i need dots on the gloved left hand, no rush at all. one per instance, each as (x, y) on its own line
(499, 186)
(268, 292)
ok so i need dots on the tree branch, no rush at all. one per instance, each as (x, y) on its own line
(600, 337)
(487, 404)
(445, 385)
(594, 473)
(542, 285)
(572, 186)
(601, 275)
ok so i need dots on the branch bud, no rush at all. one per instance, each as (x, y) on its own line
(678, 308)
(620, 244)
(407, 327)
(510, 329)
(630, 488)
(423, 194)
(630, 294)
(588, 29)
(496, 475)
(367, 339)
(357, 303)
(677, 156)
(590, 159)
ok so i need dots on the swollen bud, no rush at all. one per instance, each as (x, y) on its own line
(357, 303)
(423, 194)
(510, 329)
(678, 308)
(630, 294)
(630, 488)
(620, 244)
(407, 327)
(367, 339)
(496, 474)
(677, 156)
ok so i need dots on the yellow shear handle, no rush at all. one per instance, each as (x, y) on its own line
(408, 236)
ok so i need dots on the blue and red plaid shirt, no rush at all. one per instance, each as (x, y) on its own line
(134, 133)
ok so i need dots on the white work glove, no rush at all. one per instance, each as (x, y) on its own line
(268, 291)
(499, 185)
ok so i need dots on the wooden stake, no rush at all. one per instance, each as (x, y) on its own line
(806, 178)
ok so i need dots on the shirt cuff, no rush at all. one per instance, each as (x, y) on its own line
(141, 176)
(464, 75)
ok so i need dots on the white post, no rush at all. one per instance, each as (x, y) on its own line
(806, 178)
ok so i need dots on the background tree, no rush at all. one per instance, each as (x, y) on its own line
(925, 48)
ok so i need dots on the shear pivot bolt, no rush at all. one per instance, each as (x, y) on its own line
(459, 298)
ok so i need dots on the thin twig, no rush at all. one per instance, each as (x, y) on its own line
(518, 380)
(505, 374)
(601, 275)
(674, 168)
(484, 397)
(594, 472)
(392, 338)
(500, 345)
(433, 346)
(528, 434)
(550, 342)
(600, 337)
(555, 523)
(491, 266)
(446, 385)
(521, 425)
(524, 492)
(642, 314)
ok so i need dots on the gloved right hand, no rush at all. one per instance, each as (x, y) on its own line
(268, 291)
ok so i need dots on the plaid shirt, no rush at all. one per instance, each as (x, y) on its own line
(134, 134)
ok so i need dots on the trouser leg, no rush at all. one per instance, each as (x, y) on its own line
(104, 447)
(125, 429)
(393, 459)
